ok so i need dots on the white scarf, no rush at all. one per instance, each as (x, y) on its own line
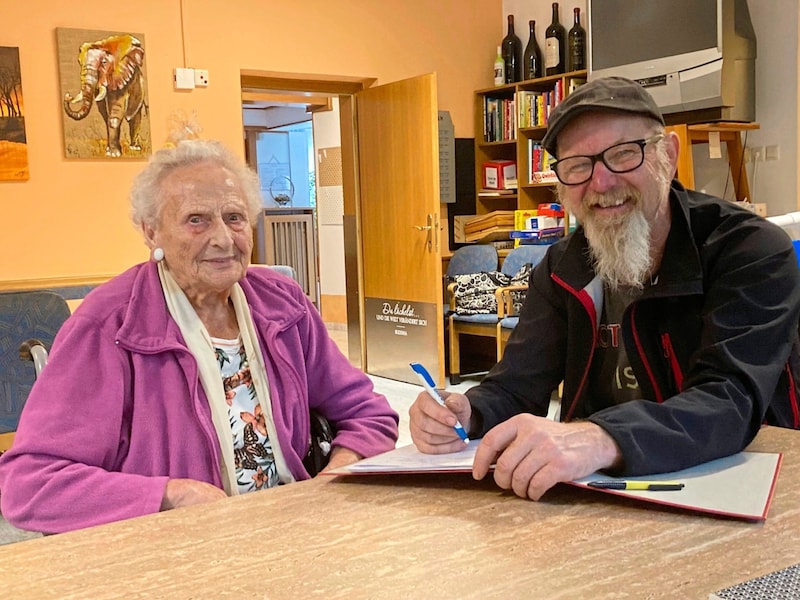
(199, 343)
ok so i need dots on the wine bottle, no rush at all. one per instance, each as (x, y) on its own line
(512, 53)
(532, 59)
(555, 47)
(499, 68)
(576, 40)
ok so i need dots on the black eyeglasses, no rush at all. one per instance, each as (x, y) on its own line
(619, 158)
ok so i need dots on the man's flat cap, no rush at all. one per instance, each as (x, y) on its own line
(608, 93)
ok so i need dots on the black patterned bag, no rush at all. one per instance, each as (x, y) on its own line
(474, 292)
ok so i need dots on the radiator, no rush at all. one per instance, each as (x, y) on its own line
(289, 239)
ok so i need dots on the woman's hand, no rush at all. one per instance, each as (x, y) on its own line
(186, 492)
(341, 457)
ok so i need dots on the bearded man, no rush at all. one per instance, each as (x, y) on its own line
(670, 316)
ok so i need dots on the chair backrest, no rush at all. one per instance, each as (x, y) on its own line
(24, 315)
(472, 259)
(790, 223)
(287, 270)
(522, 255)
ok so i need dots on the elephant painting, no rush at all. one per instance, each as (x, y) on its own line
(111, 76)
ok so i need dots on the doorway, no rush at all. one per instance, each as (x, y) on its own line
(307, 110)
(391, 205)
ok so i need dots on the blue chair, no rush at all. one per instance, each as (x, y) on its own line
(287, 270)
(24, 316)
(488, 325)
(790, 223)
(506, 296)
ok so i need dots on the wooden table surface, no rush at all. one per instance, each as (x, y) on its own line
(424, 536)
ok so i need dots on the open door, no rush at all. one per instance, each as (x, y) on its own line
(398, 165)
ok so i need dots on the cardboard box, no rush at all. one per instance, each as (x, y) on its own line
(499, 175)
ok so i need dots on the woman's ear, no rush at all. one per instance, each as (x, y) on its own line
(149, 235)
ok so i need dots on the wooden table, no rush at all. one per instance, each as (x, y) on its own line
(415, 537)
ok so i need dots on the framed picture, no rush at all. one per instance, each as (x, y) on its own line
(104, 94)
(13, 143)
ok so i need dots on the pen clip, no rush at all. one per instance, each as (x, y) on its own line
(423, 372)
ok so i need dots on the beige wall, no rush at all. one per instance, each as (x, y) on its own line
(71, 218)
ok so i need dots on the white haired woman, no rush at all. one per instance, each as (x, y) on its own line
(188, 377)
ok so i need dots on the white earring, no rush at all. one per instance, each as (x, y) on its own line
(158, 254)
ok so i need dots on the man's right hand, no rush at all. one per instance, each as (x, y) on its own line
(186, 492)
(432, 424)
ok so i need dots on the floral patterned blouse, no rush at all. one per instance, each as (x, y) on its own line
(252, 449)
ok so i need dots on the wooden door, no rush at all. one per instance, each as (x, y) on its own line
(398, 158)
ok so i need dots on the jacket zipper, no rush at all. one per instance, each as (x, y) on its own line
(643, 356)
(793, 398)
(588, 305)
(669, 354)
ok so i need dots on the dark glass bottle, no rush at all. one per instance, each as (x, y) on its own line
(576, 41)
(555, 46)
(512, 53)
(532, 59)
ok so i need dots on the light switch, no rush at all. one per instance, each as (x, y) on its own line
(184, 79)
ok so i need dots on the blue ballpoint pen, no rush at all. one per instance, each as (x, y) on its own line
(427, 383)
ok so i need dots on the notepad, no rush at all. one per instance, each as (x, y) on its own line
(407, 459)
(739, 486)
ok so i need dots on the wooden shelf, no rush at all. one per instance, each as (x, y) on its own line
(702, 133)
(529, 195)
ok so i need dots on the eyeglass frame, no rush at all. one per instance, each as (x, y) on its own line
(600, 157)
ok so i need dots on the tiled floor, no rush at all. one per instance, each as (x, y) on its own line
(399, 394)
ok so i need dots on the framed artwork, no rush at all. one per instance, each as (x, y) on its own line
(103, 94)
(13, 143)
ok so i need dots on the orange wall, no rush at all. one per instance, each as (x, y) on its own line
(70, 219)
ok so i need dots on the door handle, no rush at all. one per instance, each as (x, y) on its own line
(429, 229)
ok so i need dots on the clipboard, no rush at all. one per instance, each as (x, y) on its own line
(740, 486)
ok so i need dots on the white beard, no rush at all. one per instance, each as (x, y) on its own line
(619, 248)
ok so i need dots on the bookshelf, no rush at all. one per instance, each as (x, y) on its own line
(504, 132)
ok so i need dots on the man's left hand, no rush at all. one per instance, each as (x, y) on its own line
(531, 454)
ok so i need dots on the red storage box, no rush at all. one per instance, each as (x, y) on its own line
(500, 175)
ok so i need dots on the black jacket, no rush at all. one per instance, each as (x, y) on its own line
(714, 344)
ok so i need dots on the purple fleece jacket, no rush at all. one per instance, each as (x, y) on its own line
(119, 409)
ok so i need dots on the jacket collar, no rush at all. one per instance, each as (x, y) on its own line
(147, 326)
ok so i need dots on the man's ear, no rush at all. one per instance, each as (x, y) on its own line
(673, 144)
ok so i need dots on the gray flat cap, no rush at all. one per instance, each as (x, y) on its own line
(608, 93)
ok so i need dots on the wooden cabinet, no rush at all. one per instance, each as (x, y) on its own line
(505, 130)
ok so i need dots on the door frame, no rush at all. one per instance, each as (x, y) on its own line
(345, 88)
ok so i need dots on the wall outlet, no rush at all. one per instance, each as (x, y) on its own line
(184, 79)
(758, 153)
(201, 77)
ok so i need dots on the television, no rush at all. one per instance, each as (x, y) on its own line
(696, 57)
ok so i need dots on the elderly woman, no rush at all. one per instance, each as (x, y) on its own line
(189, 377)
